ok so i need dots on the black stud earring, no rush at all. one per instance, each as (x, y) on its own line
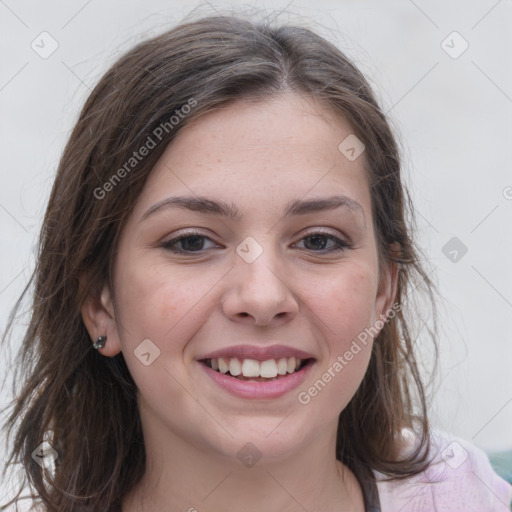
(100, 343)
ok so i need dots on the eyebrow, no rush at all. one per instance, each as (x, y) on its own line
(216, 207)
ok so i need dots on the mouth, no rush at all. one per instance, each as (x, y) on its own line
(252, 371)
(257, 371)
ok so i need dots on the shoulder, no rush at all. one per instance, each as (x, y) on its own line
(460, 478)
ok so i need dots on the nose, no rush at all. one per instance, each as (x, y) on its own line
(259, 293)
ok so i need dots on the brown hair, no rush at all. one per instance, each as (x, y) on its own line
(88, 402)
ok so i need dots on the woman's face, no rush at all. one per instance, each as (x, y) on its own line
(287, 273)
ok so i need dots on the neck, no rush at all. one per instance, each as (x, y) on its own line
(183, 476)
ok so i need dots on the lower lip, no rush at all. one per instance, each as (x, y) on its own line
(259, 390)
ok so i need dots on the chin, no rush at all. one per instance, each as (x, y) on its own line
(268, 439)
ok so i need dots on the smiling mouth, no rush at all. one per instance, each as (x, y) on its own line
(257, 371)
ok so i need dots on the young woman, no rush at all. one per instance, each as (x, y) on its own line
(219, 317)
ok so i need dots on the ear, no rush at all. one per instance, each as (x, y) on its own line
(98, 315)
(388, 283)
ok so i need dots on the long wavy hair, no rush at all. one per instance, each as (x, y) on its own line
(84, 404)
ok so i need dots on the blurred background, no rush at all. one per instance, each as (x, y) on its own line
(442, 73)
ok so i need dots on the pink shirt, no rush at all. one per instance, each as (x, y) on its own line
(460, 479)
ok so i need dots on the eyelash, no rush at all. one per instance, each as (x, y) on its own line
(340, 245)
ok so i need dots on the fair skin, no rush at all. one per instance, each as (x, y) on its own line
(300, 292)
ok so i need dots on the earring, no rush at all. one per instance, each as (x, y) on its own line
(100, 343)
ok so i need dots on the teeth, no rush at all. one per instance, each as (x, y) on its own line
(223, 365)
(252, 368)
(235, 367)
(268, 369)
(282, 366)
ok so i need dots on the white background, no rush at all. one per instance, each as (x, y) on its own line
(453, 116)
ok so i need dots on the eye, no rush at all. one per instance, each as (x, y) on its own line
(318, 240)
(191, 242)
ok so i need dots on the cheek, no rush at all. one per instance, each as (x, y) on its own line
(157, 305)
(345, 301)
(153, 306)
(346, 309)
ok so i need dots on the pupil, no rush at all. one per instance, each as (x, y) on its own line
(199, 241)
(318, 237)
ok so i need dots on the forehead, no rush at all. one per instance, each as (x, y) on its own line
(260, 155)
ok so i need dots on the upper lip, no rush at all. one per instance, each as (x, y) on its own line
(256, 352)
